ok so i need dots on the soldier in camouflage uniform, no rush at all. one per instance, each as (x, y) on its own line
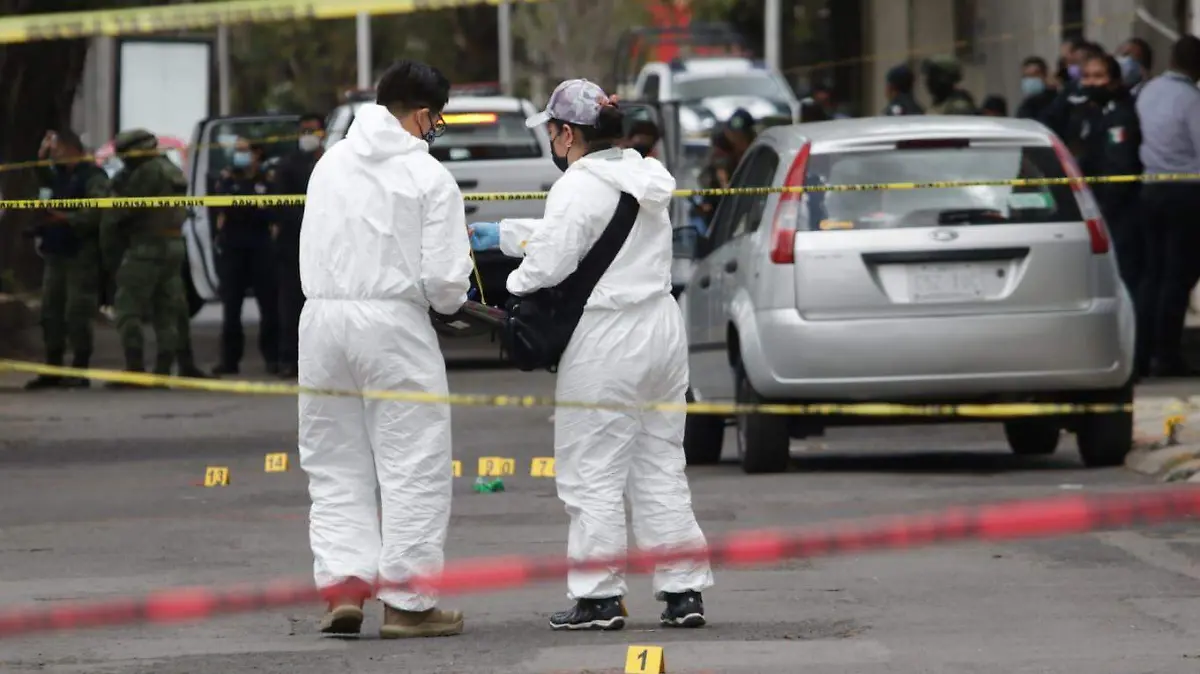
(144, 248)
(942, 75)
(69, 245)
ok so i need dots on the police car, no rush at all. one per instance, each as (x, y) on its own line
(709, 90)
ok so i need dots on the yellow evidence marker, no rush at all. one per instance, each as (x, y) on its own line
(457, 468)
(276, 463)
(645, 660)
(542, 467)
(1171, 429)
(216, 476)
(494, 466)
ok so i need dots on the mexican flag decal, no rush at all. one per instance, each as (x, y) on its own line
(1116, 135)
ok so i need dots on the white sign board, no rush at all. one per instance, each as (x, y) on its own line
(165, 86)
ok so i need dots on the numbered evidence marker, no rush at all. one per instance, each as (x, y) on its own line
(216, 476)
(1171, 428)
(494, 466)
(276, 463)
(457, 467)
(645, 660)
(542, 467)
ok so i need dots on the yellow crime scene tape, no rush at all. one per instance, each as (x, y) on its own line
(268, 201)
(981, 411)
(143, 20)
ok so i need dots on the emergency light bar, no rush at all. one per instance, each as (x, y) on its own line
(470, 118)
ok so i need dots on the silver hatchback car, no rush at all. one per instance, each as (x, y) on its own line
(916, 296)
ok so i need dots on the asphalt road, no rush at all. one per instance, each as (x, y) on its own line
(99, 497)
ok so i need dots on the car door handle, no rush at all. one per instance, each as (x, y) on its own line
(731, 266)
(704, 282)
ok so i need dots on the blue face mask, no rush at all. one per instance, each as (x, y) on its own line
(432, 133)
(1032, 86)
(241, 159)
(1131, 71)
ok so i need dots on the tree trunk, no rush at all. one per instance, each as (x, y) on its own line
(37, 89)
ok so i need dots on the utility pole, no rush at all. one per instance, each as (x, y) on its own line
(363, 42)
(223, 102)
(771, 33)
(504, 26)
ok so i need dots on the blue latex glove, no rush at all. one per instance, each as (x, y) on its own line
(484, 235)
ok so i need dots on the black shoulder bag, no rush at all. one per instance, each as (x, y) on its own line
(540, 325)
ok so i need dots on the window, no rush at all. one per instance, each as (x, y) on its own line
(1072, 19)
(966, 17)
(890, 209)
(650, 90)
(759, 85)
(742, 214)
(277, 136)
(481, 136)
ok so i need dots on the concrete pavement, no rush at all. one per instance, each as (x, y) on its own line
(98, 498)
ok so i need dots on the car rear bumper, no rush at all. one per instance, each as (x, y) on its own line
(965, 357)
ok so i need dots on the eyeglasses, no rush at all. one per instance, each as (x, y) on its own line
(439, 126)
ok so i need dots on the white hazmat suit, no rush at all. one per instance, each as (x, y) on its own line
(630, 348)
(383, 240)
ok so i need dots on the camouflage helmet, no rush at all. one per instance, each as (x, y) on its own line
(943, 66)
(134, 140)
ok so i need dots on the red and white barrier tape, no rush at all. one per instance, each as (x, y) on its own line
(996, 522)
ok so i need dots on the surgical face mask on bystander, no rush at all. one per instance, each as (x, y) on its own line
(309, 142)
(241, 159)
(1131, 71)
(1032, 86)
(559, 161)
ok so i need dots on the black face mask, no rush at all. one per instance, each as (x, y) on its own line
(643, 150)
(1098, 95)
(560, 162)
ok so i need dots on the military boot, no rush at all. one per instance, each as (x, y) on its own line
(186, 366)
(80, 361)
(54, 359)
(135, 361)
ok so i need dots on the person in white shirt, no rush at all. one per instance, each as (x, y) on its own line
(383, 241)
(629, 349)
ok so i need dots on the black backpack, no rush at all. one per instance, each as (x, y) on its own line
(539, 326)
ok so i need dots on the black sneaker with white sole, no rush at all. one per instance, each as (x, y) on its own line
(592, 614)
(684, 609)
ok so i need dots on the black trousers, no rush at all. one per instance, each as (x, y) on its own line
(1124, 226)
(1170, 226)
(291, 296)
(245, 265)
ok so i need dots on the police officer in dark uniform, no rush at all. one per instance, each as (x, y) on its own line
(291, 178)
(1110, 147)
(898, 88)
(246, 262)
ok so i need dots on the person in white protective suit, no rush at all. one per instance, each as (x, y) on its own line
(628, 349)
(383, 240)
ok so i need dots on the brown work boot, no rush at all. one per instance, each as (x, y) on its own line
(435, 622)
(345, 616)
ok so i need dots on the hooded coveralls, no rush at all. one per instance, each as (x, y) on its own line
(382, 241)
(630, 349)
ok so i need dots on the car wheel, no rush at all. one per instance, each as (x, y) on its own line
(1105, 438)
(763, 439)
(703, 437)
(1032, 437)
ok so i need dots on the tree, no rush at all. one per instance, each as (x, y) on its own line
(571, 38)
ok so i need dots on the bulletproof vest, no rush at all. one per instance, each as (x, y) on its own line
(156, 177)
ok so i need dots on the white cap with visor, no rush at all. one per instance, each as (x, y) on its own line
(574, 102)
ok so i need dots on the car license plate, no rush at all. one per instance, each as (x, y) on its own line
(946, 283)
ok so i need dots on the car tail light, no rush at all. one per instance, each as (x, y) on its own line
(783, 227)
(1097, 230)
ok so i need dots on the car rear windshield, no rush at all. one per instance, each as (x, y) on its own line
(933, 207)
(478, 136)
